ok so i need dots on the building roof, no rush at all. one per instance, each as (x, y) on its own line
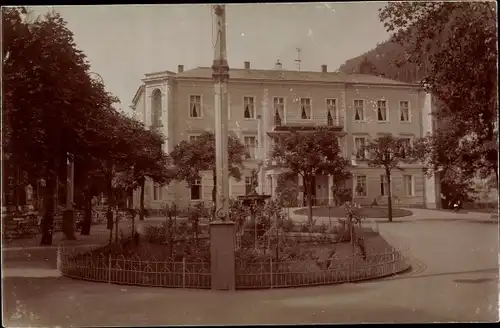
(260, 74)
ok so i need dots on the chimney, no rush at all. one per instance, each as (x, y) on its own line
(180, 68)
(247, 65)
(278, 65)
(323, 69)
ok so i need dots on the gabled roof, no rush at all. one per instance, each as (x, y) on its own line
(260, 74)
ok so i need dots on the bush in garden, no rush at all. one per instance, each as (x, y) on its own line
(195, 213)
(183, 227)
(155, 234)
(238, 212)
(287, 225)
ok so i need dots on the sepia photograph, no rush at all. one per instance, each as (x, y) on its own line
(250, 164)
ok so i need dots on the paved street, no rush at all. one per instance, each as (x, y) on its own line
(455, 278)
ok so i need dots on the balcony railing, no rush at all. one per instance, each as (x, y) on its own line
(322, 120)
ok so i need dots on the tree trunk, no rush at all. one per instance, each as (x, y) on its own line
(214, 195)
(48, 204)
(389, 193)
(87, 215)
(133, 222)
(141, 200)
(496, 175)
(169, 235)
(117, 221)
(109, 220)
(308, 184)
(109, 214)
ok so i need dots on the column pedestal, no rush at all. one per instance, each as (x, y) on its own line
(222, 255)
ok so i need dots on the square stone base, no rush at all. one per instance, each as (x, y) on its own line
(222, 255)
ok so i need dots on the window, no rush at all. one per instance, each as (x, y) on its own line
(359, 146)
(408, 185)
(332, 114)
(251, 145)
(384, 189)
(156, 108)
(305, 108)
(361, 186)
(249, 187)
(195, 106)
(279, 110)
(359, 110)
(406, 145)
(156, 192)
(404, 111)
(249, 107)
(196, 190)
(194, 138)
(382, 111)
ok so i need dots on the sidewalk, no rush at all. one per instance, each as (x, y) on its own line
(99, 234)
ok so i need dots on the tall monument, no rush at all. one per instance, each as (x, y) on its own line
(220, 75)
(222, 230)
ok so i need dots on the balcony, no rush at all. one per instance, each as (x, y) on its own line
(316, 122)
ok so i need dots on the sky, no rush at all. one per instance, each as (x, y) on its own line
(122, 43)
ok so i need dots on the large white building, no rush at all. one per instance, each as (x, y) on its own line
(266, 103)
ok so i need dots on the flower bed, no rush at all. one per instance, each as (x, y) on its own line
(146, 265)
(298, 259)
(320, 264)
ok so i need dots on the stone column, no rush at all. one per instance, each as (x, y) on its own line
(269, 183)
(273, 185)
(222, 255)
(432, 191)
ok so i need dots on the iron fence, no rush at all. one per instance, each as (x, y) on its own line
(272, 274)
(100, 265)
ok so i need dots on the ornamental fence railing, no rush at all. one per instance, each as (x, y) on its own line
(271, 274)
(100, 265)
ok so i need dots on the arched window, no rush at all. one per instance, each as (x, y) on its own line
(156, 108)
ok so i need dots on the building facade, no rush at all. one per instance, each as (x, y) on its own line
(266, 103)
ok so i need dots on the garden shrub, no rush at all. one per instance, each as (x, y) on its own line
(155, 234)
(287, 225)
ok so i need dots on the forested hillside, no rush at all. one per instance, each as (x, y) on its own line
(385, 59)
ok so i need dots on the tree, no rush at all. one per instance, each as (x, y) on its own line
(287, 189)
(41, 61)
(192, 157)
(443, 37)
(387, 152)
(443, 155)
(309, 155)
(149, 160)
(76, 117)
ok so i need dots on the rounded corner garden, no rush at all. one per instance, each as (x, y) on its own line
(271, 251)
